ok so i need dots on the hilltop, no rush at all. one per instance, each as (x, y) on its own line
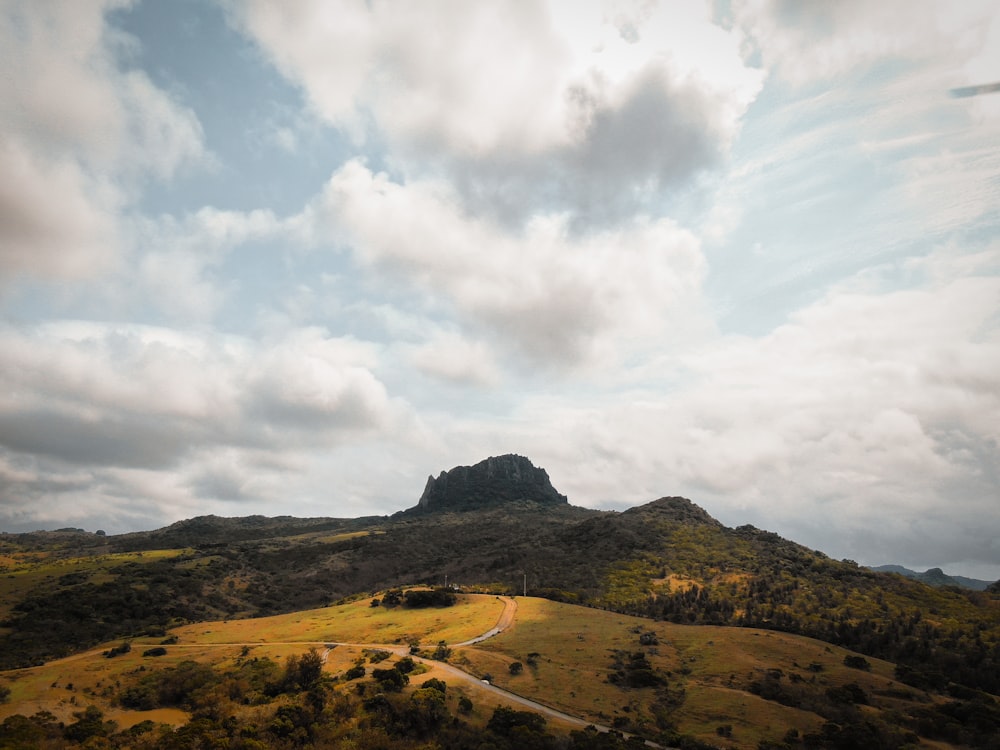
(498, 481)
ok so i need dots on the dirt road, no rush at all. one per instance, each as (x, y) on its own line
(506, 619)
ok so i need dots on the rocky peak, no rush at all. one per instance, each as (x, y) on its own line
(498, 480)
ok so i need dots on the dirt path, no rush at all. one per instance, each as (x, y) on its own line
(505, 620)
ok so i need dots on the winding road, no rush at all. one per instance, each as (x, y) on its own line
(505, 620)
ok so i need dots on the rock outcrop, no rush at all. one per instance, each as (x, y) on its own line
(495, 482)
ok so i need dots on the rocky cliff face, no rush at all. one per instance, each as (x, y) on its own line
(497, 481)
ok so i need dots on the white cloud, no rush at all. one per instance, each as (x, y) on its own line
(54, 219)
(871, 418)
(92, 414)
(176, 261)
(457, 359)
(132, 427)
(78, 134)
(803, 44)
(555, 298)
(524, 105)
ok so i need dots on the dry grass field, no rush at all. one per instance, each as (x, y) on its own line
(711, 667)
(568, 653)
(67, 685)
(356, 622)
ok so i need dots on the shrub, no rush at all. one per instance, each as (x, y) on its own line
(391, 680)
(124, 648)
(355, 672)
(857, 662)
(435, 684)
(405, 665)
(439, 597)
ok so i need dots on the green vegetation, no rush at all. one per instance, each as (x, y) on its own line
(256, 703)
(893, 658)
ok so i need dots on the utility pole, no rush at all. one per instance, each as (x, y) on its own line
(525, 584)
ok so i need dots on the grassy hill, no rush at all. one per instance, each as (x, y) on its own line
(666, 562)
(689, 686)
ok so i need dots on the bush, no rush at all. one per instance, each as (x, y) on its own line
(506, 719)
(405, 665)
(391, 680)
(157, 651)
(440, 597)
(435, 684)
(857, 662)
(850, 694)
(124, 648)
(355, 672)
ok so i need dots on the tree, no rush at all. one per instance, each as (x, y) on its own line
(516, 668)
(505, 719)
(391, 680)
(435, 684)
(89, 723)
(310, 668)
(405, 665)
(358, 670)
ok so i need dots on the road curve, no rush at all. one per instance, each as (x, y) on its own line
(505, 620)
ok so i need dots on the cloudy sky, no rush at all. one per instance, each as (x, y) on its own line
(291, 258)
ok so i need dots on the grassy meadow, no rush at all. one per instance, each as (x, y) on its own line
(710, 672)
(67, 685)
(356, 622)
(712, 682)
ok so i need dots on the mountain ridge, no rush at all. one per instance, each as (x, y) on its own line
(935, 577)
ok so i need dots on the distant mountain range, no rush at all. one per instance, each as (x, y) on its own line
(935, 577)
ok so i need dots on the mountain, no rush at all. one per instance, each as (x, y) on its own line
(935, 577)
(495, 526)
(497, 481)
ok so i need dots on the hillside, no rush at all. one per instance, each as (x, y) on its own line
(667, 560)
(295, 681)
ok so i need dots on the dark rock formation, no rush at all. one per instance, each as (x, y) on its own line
(497, 481)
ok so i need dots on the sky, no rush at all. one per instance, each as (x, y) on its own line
(292, 258)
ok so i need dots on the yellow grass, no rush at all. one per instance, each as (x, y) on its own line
(357, 622)
(713, 665)
(68, 685)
